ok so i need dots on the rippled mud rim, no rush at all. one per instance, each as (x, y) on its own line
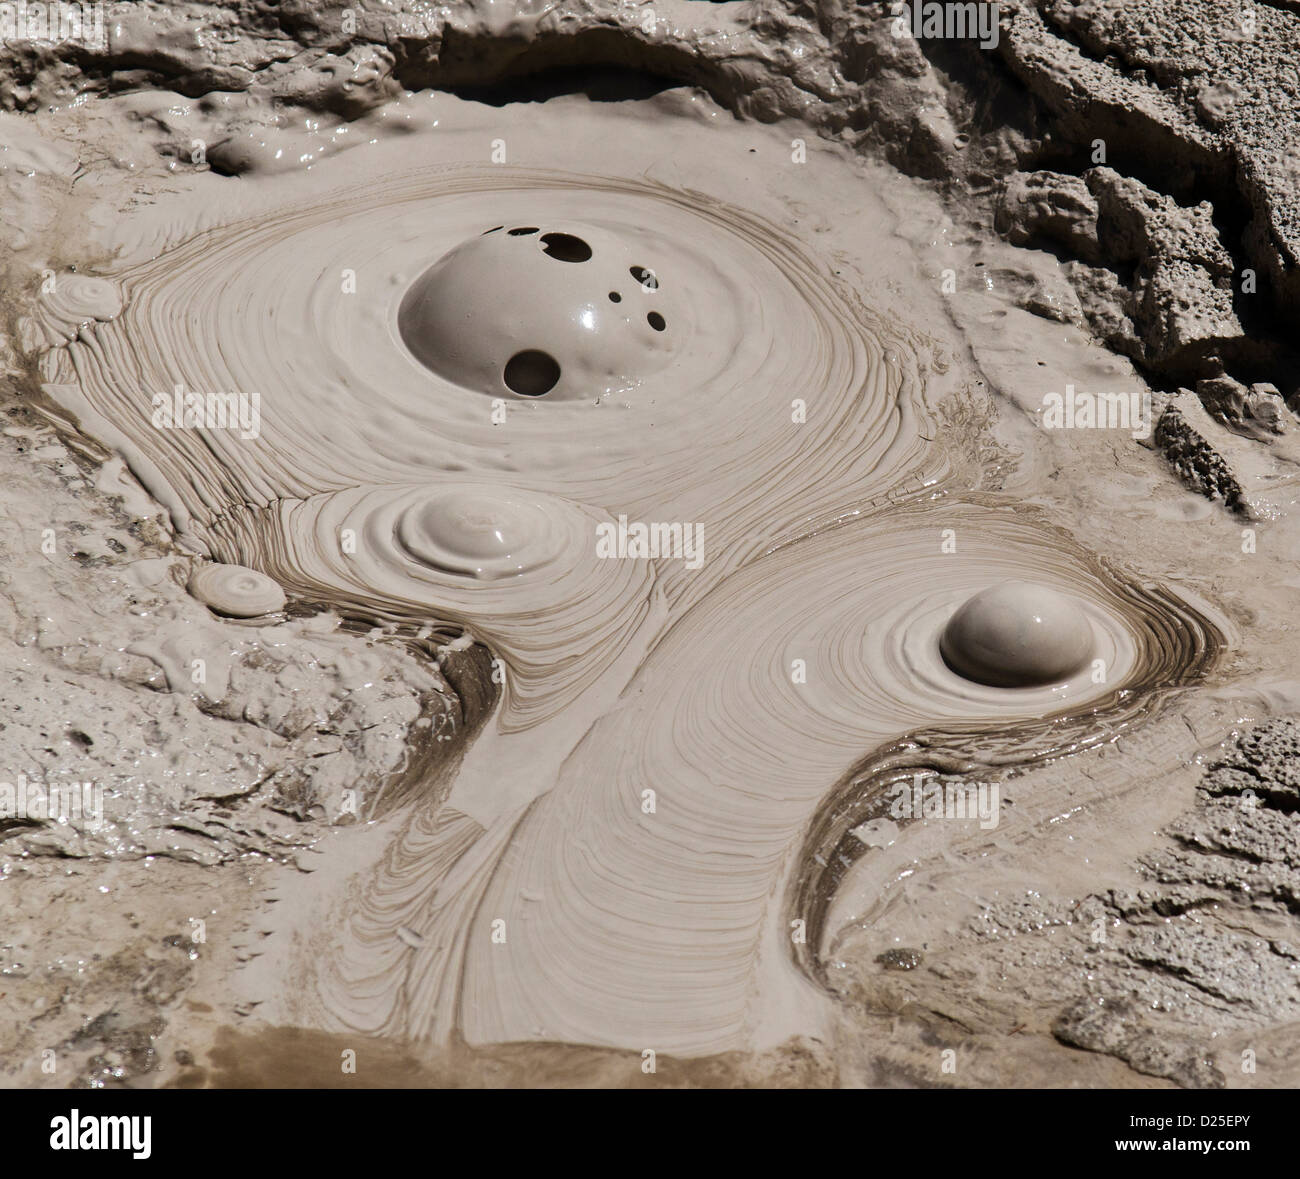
(1183, 647)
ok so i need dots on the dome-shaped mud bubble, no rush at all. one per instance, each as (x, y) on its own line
(1018, 634)
(543, 311)
(481, 532)
(236, 591)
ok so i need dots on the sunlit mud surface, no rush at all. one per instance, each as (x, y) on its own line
(617, 508)
(619, 858)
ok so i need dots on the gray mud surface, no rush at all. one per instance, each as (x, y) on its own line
(1129, 171)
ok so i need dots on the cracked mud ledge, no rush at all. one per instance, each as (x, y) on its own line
(1183, 978)
(1171, 982)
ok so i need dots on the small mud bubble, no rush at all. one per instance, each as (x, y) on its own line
(236, 591)
(478, 532)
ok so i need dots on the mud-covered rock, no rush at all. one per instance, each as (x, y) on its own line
(1256, 411)
(1116, 1028)
(1197, 462)
(1053, 206)
(1182, 282)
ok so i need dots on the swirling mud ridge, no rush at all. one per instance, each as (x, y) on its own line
(1177, 646)
(687, 490)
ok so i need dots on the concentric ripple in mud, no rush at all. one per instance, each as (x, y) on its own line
(656, 924)
(778, 400)
(517, 569)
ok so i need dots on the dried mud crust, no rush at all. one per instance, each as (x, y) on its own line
(1190, 980)
(195, 789)
(108, 661)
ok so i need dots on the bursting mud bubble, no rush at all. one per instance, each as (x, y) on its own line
(619, 502)
(497, 314)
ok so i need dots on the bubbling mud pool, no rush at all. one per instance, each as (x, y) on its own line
(464, 378)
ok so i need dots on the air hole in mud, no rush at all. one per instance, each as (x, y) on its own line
(564, 247)
(645, 277)
(531, 373)
(523, 231)
(492, 230)
(656, 321)
(615, 297)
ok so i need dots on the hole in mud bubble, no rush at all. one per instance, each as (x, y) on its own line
(564, 247)
(492, 230)
(647, 278)
(656, 321)
(531, 373)
(527, 229)
(615, 297)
